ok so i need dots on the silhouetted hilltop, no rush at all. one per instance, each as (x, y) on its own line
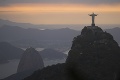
(30, 60)
(52, 54)
(95, 53)
(54, 72)
(9, 52)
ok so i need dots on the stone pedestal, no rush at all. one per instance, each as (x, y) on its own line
(92, 24)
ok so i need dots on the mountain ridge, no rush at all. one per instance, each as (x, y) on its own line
(94, 55)
(30, 37)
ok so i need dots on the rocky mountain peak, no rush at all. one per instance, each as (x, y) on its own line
(30, 50)
(30, 60)
(95, 53)
(91, 36)
(88, 29)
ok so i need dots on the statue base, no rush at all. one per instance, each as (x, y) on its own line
(93, 25)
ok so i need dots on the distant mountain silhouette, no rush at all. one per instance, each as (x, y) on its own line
(43, 38)
(115, 32)
(40, 38)
(40, 26)
(30, 60)
(23, 25)
(52, 54)
(9, 52)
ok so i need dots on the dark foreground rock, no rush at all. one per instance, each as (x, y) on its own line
(95, 53)
(54, 72)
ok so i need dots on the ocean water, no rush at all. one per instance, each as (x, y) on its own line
(10, 68)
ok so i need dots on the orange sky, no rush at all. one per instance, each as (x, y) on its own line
(60, 13)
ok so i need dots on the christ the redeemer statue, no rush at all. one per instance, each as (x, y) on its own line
(93, 18)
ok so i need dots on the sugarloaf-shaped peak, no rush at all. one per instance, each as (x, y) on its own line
(30, 60)
(30, 50)
(95, 53)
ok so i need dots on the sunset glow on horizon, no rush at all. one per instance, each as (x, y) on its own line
(60, 8)
(60, 13)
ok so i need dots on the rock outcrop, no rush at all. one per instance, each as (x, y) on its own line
(31, 60)
(54, 72)
(95, 54)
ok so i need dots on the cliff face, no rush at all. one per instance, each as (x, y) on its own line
(94, 53)
(31, 60)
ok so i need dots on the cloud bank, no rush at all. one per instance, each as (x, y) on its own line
(90, 2)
